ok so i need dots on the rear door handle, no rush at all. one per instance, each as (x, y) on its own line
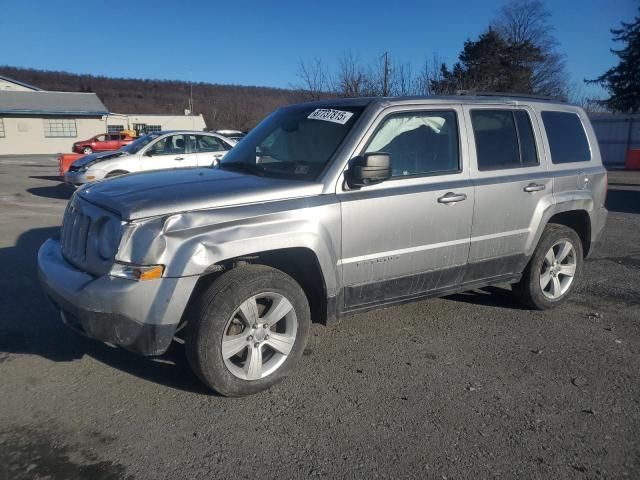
(179, 158)
(534, 187)
(451, 197)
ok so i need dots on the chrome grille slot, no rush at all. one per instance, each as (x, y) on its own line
(79, 237)
(75, 230)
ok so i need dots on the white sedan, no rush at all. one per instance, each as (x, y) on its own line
(154, 151)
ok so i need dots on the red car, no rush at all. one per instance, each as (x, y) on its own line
(103, 143)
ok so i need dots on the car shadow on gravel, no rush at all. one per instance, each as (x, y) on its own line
(489, 297)
(53, 178)
(31, 325)
(623, 201)
(62, 191)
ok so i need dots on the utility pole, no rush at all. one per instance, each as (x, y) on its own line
(385, 77)
(191, 97)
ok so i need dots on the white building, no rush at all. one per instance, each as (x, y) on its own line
(34, 121)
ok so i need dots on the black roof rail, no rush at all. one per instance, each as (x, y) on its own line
(509, 95)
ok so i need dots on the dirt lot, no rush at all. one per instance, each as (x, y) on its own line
(469, 386)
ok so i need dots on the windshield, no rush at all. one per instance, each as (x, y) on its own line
(139, 144)
(296, 142)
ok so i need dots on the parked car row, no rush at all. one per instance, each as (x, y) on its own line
(103, 143)
(154, 151)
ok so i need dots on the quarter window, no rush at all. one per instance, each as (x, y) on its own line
(419, 143)
(171, 145)
(567, 138)
(206, 143)
(504, 139)
(60, 127)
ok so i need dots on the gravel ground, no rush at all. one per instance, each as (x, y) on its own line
(468, 386)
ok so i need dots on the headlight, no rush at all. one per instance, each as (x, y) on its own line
(136, 272)
(107, 237)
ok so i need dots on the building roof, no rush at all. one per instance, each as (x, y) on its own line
(51, 103)
(22, 84)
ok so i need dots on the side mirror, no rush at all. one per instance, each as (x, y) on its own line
(149, 153)
(369, 169)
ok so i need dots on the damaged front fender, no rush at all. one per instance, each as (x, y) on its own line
(190, 243)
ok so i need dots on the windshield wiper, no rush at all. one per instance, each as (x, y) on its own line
(242, 167)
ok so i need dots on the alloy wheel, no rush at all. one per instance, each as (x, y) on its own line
(259, 336)
(558, 270)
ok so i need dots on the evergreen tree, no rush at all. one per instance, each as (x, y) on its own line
(491, 64)
(623, 80)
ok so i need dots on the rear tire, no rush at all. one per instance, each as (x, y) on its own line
(553, 270)
(248, 330)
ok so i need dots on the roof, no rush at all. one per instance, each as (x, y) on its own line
(22, 84)
(507, 99)
(51, 103)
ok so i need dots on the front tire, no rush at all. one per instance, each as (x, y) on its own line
(553, 270)
(87, 150)
(248, 330)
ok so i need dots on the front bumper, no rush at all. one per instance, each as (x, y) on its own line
(80, 178)
(139, 316)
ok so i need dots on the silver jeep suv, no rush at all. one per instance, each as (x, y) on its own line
(323, 210)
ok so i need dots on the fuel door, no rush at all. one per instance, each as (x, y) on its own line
(583, 181)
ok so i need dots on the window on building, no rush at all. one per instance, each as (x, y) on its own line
(153, 128)
(1, 127)
(140, 128)
(60, 127)
(115, 128)
(504, 139)
(567, 139)
(419, 143)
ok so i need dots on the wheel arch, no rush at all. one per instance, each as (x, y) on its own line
(300, 263)
(580, 222)
(574, 215)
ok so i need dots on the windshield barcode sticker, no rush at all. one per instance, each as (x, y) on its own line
(330, 115)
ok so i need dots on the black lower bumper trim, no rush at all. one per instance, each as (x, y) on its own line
(141, 338)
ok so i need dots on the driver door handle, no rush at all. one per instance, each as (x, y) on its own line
(534, 187)
(450, 197)
(179, 158)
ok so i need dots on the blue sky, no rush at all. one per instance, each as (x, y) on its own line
(261, 42)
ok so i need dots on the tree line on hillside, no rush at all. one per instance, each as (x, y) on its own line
(222, 106)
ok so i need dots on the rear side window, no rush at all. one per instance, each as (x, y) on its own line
(504, 139)
(567, 138)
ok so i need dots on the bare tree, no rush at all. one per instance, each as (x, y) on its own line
(404, 82)
(314, 77)
(522, 21)
(351, 79)
(430, 76)
(578, 96)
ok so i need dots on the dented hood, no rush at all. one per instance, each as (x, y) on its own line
(165, 192)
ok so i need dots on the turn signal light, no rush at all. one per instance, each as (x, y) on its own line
(136, 272)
